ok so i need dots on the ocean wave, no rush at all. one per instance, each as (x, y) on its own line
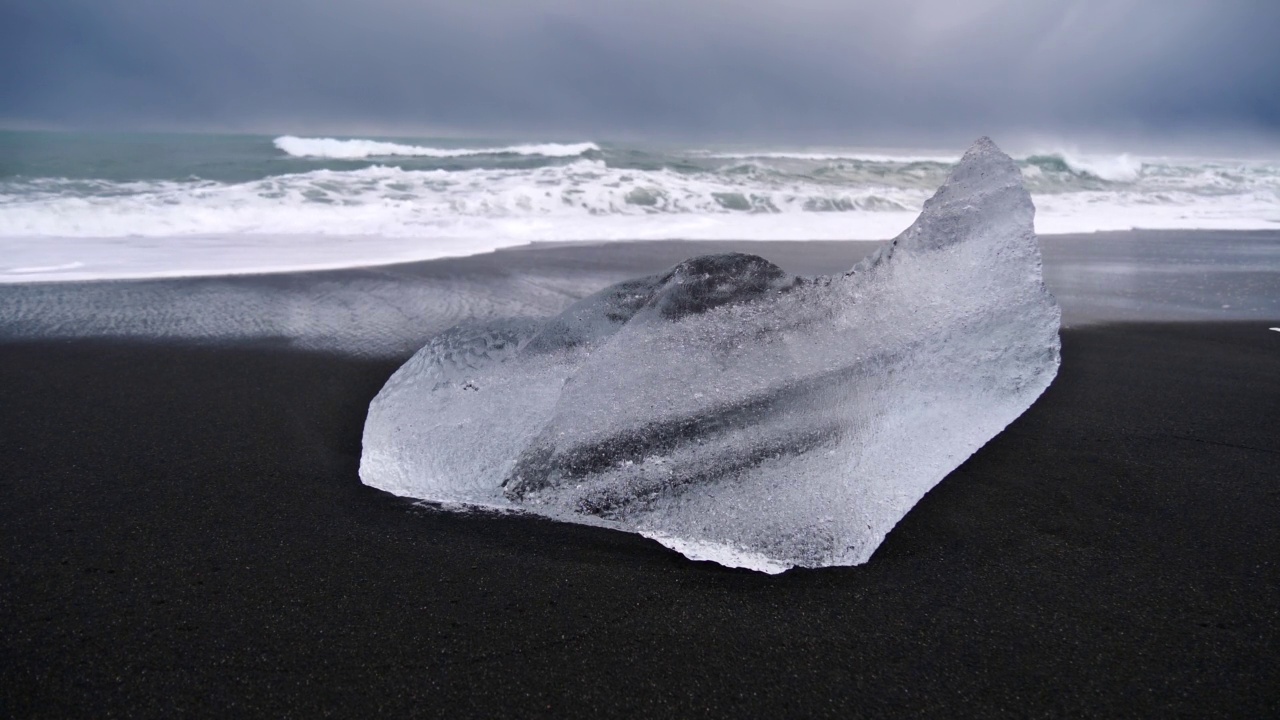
(413, 200)
(538, 203)
(834, 156)
(1110, 168)
(589, 198)
(335, 149)
(1116, 168)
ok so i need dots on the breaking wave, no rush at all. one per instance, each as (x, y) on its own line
(335, 149)
(584, 199)
(618, 197)
(1119, 168)
(836, 155)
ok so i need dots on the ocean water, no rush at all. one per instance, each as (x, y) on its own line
(79, 206)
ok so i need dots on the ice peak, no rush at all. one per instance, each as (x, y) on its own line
(983, 167)
(982, 200)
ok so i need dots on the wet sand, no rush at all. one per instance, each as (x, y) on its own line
(390, 311)
(185, 531)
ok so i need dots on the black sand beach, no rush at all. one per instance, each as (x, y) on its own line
(185, 532)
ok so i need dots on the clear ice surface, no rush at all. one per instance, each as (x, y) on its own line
(735, 413)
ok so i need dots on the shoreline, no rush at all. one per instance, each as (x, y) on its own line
(15, 276)
(390, 311)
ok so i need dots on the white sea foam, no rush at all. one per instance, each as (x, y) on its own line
(835, 155)
(360, 149)
(45, 269)
(583, 200)
(383, 213)
(1115, 168)
(99, 258)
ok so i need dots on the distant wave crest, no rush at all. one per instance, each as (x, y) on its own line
(336, 149)
(835, 156)
(1118, 168)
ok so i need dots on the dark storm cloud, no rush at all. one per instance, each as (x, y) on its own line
(680, 68)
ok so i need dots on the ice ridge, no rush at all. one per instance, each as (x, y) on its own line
(733, 412)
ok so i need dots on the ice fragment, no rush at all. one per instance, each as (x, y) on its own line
(733, 412)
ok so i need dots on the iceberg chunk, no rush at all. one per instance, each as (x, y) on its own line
(733, 412)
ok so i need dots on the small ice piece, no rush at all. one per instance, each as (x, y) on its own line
(735, 413)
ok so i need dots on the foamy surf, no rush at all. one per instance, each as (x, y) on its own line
(1123, 168)
(44, 269)
(136, 258)
(360, 149)
(292, 203)
(834, 155)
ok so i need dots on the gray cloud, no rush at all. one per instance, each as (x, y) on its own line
(801, 70)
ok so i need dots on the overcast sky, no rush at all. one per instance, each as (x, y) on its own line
(791, 71)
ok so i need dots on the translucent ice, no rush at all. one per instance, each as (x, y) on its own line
(735, 413)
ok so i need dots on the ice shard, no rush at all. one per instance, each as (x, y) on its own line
(735, 413)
